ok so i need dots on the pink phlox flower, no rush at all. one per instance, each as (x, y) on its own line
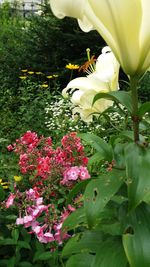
(71, 208)
(84, 174)
(39, 201)
(10, 200)
(43, 166)
(32, 194)
(36, 229)
(28, 219)
(28, 138)
(85, 160)
(72, 173)
(59, 235)
(23, 157)
(38, 210)
(44, 237)
(10, 148)
(49, 141)
(19, 221)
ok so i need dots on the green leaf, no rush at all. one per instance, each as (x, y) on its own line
(11, 262)
(23, 244)
(110, 253)
(81, 260)
(136, 245)
(99, 192)
(2, 193)
(112, 229)
(8, 241)
(44, 256)
(121, 97)
(15, 234)
(89, 241)
(25, 264)
(76, 190)
(129, 135)
(98, 143)
(138, 169)
(143, 109)
(75, 219)
(96, 158)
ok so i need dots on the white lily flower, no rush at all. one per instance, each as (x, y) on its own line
(104, 79)
(62, 8)
(124, 25)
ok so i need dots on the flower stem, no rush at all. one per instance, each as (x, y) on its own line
(135, 118)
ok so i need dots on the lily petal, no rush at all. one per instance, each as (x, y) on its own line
(62, 8)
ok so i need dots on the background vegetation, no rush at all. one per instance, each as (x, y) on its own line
(42, 45)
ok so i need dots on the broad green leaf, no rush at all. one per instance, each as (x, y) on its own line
(78, 188)
(75, 219)
(112, 229)
(8, 241)
(121, 97)
(88, 241)
(128, 135)
(138, 173)
(96, 158)
(99, 192)
(143, 109)
(11, 262)
(136, 245)
(99, 144)
(110, 254)
(23, 244)
(44, 256)
(119, 156)
(80, 260)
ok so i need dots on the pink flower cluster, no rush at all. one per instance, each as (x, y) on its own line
(54, 171)
(36, 155)
(47, 230)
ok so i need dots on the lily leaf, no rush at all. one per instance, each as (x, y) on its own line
(124, 98)
(136, 245)
(138, 170)
(110, 253)
(89, 241)
(98, 143)
(143, 109)
(80, 260)
(75, 219)
(99, 192)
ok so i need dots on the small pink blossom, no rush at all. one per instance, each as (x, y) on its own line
(20, 221)
(39, 201)
(72, 173)
(28, 219)
(10, 148)
(10, 200)
(83, 174)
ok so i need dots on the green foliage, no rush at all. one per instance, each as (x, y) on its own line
(144, 92)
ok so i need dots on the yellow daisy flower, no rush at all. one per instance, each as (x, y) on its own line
(44, 85)
(31, 72)
(22, 77)
(49, 77)
(72, 66)
(4, 184)
(24, 70)
(17, 178)
(38, 72)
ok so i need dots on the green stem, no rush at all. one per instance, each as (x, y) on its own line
(135, 118)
